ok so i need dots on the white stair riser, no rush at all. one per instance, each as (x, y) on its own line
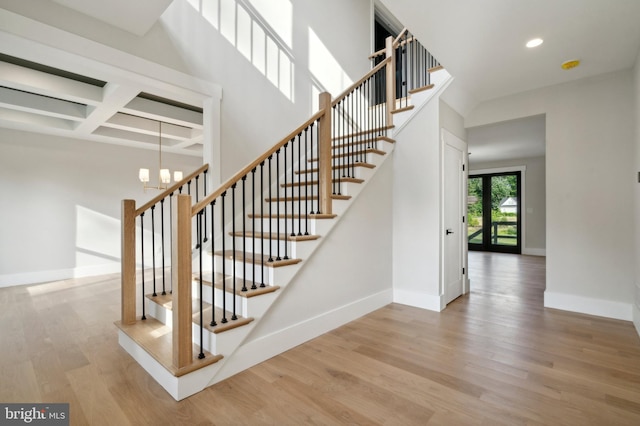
(349, 156)
(218, 343)
(274, 226)
(355, 173)
(158, 312)
(342, 187)
(242, 307)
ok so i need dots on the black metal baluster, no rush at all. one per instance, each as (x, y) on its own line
(171, 241)
(285, 204)
(319, 160)
(244, 236)
(335, 144)
(164, 292)
(306, 177)
(197, 178)
(253, 227)
(359, 126)
(270, 213)
(201, 354)
(213, 322)
(142, 259)
(405, 54)
(189, 188)
(300, 187)
(233, 248)
(262, 233)
(370, 101)
(224, 266)
(293, 176)
(204, 195)
(278, 204)
(153, 250)
(349, 123)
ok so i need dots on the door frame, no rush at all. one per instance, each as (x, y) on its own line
(449, 138)
(521, 203)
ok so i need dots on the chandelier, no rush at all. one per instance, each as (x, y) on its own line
(164, 175)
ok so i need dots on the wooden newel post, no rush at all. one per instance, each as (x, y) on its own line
(128, 262)
(324, 154)
(390, 52)
(181, 275)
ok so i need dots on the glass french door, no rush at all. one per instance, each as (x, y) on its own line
(494, 212)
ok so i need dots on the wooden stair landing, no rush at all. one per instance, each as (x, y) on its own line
(156, 339)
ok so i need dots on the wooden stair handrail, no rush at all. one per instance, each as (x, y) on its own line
(236, 177)
(359, 82)
(396, 41)
(170, 190)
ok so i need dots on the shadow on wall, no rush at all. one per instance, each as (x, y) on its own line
(97, 238)
(262, 32)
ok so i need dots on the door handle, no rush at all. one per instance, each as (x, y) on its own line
(449, 231)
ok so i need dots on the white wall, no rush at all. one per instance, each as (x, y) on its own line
(535, 200)
(451, 120)
(318, 46)
(313, 46)
(60, 215)
(416, 211)
(590, 177)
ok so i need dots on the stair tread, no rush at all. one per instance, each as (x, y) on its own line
(377, 139)
(356, 152)
(366, 132)
(314, 197)
(421, 89)
(156, 339)
(218, 278)
(260, 259)
(339, 167)
(293, 216)
(403, 109)
(315, 182)
(167, 302)
(274, 236)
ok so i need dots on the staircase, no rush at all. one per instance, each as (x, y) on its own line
(239, 249)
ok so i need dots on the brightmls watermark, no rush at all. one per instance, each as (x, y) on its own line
(34, 414)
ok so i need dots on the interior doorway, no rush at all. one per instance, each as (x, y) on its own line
(495, 212)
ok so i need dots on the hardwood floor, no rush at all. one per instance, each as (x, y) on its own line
(494, 356)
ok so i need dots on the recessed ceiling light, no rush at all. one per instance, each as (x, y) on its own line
(534, 42)
(570, 64)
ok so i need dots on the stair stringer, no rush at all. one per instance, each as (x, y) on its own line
(311, 304)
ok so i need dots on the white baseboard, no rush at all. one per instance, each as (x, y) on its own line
(419, 300)
(534, 251)
(587, 305)
(259, 350)
(10, 280)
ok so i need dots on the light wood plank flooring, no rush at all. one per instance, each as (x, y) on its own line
(494, 357)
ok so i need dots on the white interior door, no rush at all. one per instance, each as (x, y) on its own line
(454, 194)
